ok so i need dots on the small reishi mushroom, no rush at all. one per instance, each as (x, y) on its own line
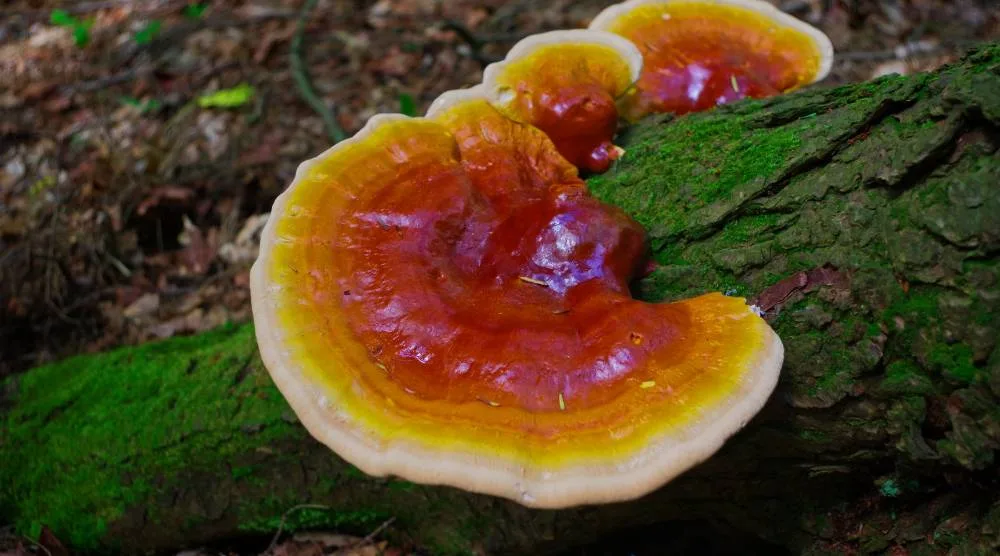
(701, 53)
(441, 299)
(566, 83)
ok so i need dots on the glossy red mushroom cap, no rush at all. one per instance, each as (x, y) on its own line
(441, 299)
(701, 53)
(568, 83)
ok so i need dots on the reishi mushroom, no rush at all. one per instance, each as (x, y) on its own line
(701, 53)
(567, 83)
(441, 299)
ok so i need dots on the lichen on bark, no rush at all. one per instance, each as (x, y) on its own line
(865, 220)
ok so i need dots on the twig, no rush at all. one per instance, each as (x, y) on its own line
(114, 79)
(38, 545)
(477, 42)
(369, 537)
(284, 518)
(333, 129)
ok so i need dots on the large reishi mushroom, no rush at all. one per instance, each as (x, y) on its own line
(567, 84)
(701, 53)
(440, 299)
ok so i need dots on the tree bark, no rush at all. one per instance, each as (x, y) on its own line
(865, 221)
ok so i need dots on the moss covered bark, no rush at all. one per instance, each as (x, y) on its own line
(864, 219)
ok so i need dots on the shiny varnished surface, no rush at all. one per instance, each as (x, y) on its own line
(457, 283)
(697, 55)
(440, 298)
(569, 91)
(455, 272)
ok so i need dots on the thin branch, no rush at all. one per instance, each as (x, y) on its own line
(299, 73)
(107, 81)
(284, 518)
(477, 42)
(368, 538)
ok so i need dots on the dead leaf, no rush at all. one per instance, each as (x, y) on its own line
(475, 16)
(57, 104)
(243, 249)
(146, 305)
(272, 37)
(173, 193)
(200, 248)
(397, 63)
(266, 151)
(37, 90)
(804, 282)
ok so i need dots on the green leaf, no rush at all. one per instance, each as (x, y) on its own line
(81, 34)
(148, 32)
(143, 106)
(227, 98)
(194, 10)
(407, 106)
(61, 18)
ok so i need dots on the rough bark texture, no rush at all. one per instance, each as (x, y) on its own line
(864, 219)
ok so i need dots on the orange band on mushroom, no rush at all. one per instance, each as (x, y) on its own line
(701, 53)
(441, 299)
(567, 83)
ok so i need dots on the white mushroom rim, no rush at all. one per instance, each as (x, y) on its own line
(501, 96)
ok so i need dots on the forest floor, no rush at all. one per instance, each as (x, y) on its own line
(143, 142)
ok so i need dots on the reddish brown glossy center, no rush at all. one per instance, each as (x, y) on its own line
(581, 121)
(680, 88)
(482, 283)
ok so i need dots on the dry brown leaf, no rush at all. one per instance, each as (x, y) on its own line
(173, 193)
(146, 305)
(274, 35)
(243, 249)
(397, 63)
(200, 248)
(265, 151)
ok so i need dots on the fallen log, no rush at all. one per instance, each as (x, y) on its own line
(864, 220)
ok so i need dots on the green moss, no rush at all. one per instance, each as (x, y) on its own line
(815, 436)
(142, 405)
(750, 229)
(242, 471)
(353, 472)
(908, 315)
(904, 378)
(710, 160)
(100, 444)
(955, 362)
(404, 486)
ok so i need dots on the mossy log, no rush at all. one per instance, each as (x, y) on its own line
(865, 220)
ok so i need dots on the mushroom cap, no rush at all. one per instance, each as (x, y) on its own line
(567, 83)
(440, 299)
(701, 53)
